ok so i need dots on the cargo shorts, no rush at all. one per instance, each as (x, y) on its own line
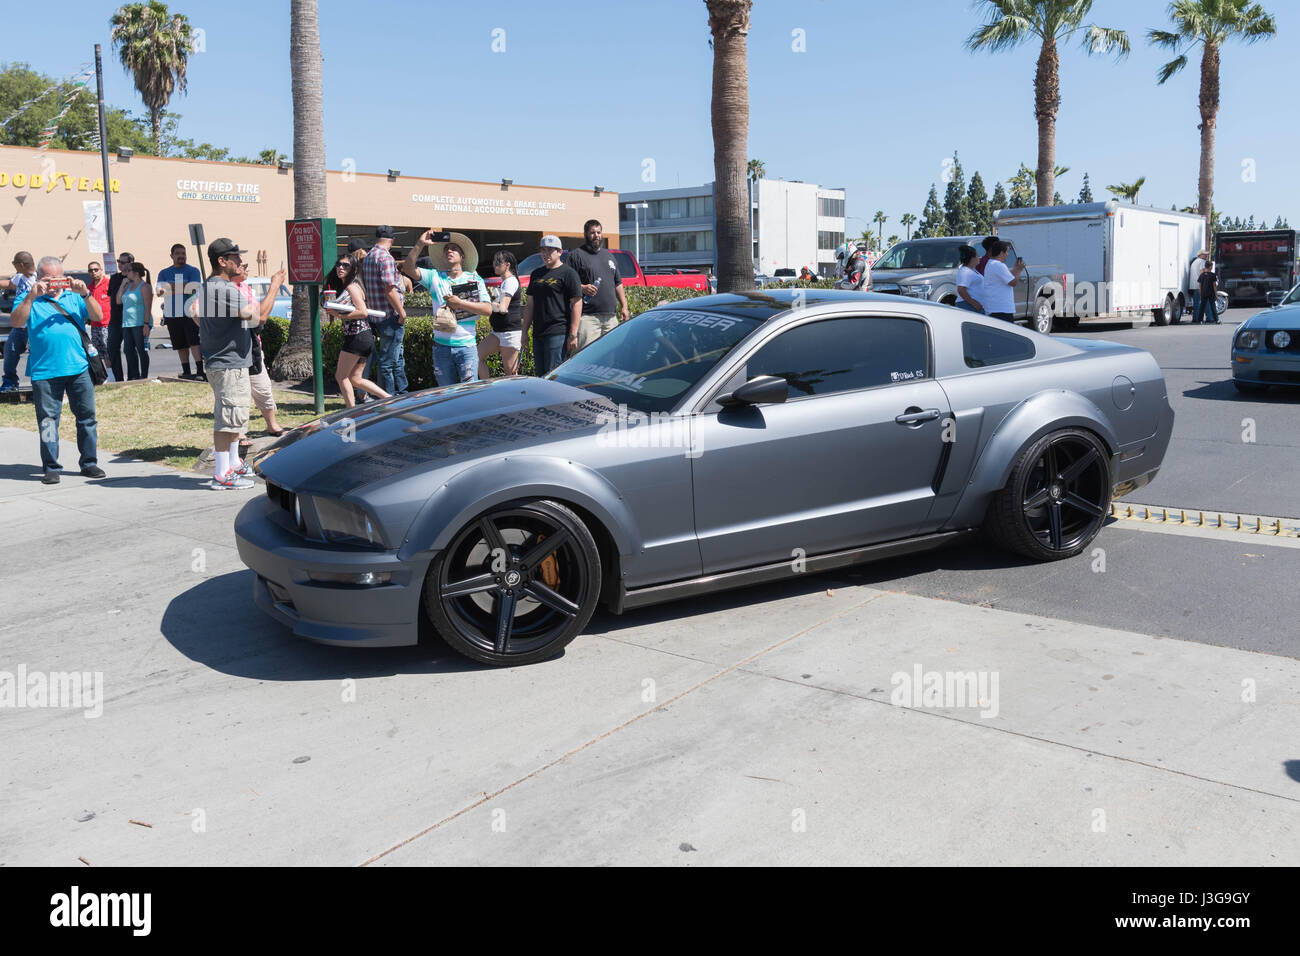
(231, 395)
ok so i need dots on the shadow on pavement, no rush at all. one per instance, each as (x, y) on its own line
(1225, 391)
(884, 574)
(1292, 769)
(216, 623)
(21, 472)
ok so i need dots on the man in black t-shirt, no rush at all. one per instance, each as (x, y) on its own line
(124, 262)
(603, 300)
(553, 308)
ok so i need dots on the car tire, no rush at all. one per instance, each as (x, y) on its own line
(1165, 314)
(1044, 317)
(1057, 498)
(1178, 311)
(501, 595)
(1248, 388)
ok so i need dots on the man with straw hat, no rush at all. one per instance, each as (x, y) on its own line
(456, 289)
(1198, 266)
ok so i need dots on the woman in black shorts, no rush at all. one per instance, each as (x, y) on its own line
(358, 340)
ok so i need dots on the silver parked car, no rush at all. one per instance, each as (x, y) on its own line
(729, 440)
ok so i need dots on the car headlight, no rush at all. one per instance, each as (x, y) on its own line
(1247, 339)
(345, 522)
(920, 290)
(1281, 340)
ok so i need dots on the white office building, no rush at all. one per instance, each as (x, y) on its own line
(795, 224)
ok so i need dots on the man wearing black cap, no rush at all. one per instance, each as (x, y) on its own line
(226, 320)
(357, 250)
(383, 287)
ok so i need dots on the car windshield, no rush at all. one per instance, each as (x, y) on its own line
(648, 363)
(1292, 296)
(920, 255)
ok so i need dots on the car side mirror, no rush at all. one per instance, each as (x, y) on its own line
(760, 390)
(1275, 298)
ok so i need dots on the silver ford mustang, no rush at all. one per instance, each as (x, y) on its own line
(725, 441)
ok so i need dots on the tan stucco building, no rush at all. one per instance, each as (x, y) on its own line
(43, 198)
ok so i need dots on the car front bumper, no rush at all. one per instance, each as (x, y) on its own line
(385, 615)
(1266, 367)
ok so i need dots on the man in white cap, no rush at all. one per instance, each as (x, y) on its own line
(553, 309)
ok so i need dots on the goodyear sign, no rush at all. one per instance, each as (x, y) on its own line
(52, 181)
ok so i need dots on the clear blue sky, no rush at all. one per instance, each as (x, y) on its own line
(586, 90)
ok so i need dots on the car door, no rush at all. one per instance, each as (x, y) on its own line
(849, 459)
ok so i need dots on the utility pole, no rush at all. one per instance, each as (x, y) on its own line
(103, 159)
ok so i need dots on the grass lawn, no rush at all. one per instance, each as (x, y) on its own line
(169, 423)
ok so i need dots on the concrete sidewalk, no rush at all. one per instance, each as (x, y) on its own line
(749, 727)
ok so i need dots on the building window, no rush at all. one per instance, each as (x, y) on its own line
(657, 242)
(829, 240)
(830, 207)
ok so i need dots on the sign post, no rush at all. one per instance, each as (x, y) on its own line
(197, 241)
(312, 243)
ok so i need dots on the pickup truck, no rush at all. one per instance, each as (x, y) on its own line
(628, 268)
(927, 269)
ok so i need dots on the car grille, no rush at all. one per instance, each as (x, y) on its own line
(281, 496)
(1273, 375)
(1293, 346)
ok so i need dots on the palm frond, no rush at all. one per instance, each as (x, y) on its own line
(1170, 68)
(1106, 40)
(1001, 34)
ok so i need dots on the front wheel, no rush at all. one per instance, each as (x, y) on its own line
(1165, 314)
(1056, 499)
(515, 585)
(1043, 316)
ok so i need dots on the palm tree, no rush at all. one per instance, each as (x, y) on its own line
(1127, 191)
(756, 170)
(907, 219)
(294, 360)
(880, 219)
(1211, 23)
(154, 47)
(1012, 22)
(729, 25)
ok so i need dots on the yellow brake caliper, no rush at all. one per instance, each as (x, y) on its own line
(550, 568)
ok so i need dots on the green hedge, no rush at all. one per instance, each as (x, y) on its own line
(418, 341)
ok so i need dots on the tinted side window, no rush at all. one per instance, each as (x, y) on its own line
(838, 355)
(625, 267)
(983, 346)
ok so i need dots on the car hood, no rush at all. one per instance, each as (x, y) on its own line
(349, 449)
(909, 275)
(1283, 317)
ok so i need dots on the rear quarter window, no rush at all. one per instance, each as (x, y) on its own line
(983, 347)
(625, 267)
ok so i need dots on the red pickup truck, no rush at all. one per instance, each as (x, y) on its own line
(628, 268)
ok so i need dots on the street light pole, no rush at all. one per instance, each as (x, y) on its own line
(636, 217)
(103, 159)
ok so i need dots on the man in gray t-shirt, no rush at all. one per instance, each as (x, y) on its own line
(225, 332)
(601, 286)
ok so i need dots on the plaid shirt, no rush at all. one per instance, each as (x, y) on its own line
(378, 275)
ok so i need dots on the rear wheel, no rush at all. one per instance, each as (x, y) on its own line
(1178, 310)
(1165, 314)
(515, 585)
(1056, 499)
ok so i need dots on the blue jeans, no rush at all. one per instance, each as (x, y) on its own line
(14, 348)
(137, 354)
(1196, 303)
(1206, 305)
(548, 353)
(963, 304)
(47, 396)
(455, 363)
(114, 356)
(390, 370)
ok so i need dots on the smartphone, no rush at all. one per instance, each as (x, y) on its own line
(439, 235)
(1020, 261)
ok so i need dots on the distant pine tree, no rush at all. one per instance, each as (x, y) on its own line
(1057, 200)
(932, 223)
(1279, 224)
(1023, 186)
(956, 214)
(998, 201)
(1085, 193)
(977, 202)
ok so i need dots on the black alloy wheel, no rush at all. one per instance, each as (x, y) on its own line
(1057, 498)
(515, 585)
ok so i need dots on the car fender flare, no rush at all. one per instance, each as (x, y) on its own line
(943, 291)
(1036, 416)
(482, 486)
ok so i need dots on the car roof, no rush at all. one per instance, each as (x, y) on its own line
(765, 303)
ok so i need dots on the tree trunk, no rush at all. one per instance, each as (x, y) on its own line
(293, 361)
(729, 24)
(1209, 118)
(1047, 100)
(155, 122)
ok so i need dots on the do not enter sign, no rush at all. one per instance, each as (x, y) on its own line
(312, 249)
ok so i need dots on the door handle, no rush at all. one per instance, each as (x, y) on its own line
(916, 416)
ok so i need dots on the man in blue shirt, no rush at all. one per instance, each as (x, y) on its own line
(57, 363)
(177, 284)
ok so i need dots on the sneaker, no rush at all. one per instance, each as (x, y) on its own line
(230, 481)
(93, 471)
(50, 478)
(243, 471)
(200, 376)
(8, 388)
(186, 376)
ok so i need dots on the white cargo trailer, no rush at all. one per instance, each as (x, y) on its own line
(1119, 259)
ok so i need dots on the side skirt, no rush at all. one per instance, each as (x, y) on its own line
(626, 600)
